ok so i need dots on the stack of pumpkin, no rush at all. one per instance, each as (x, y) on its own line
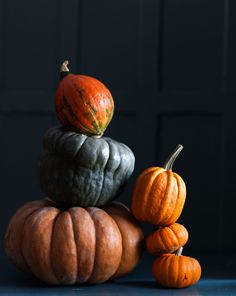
(158, 198)
(75, 236)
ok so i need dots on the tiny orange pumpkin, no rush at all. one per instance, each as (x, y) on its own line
(176, 270)
(167, 239)
(159, 194)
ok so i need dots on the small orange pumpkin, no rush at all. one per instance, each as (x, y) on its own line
(176, 270)
(167, 239)
(83, 103)
(159, 194)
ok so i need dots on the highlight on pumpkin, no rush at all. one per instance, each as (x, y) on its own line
(83, 103)
(159, 194)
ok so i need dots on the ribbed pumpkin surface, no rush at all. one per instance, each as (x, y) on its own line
(74, 246)
(84, 103)
(174, 271)
(167, 239)
(76, 169)
(158, 196)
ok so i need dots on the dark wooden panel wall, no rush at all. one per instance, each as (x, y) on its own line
(171, 68)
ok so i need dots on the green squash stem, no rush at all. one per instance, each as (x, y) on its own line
(172, 157)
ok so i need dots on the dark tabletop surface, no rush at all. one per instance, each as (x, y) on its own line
(218, 278)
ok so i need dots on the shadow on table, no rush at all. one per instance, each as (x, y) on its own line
(152, 285)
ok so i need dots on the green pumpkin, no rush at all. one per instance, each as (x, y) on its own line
(80, 170)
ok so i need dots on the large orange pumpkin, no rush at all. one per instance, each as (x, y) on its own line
(83, 103)
(74, 246)
(176, 270)
(167, 239)
(159, 194)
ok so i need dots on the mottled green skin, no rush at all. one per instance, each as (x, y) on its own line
(76, 169)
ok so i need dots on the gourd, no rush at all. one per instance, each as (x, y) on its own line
(159, 194)
(83, 103)
(78, 245)
(167, 239)
(176, 270)
(76, 169)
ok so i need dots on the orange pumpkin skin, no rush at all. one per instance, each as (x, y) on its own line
(84, 103)
(79, 245)
(167, 239)
(172, 271)
(158, 196)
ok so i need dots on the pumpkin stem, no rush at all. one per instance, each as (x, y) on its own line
(97, 136)
(179, 251)
(64, 69)
(172, 157)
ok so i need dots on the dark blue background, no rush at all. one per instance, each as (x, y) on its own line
(171, 68)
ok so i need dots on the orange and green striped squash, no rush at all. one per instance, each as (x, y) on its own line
(83, 103)
(159, 194)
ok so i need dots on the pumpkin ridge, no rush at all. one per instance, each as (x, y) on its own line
(121, 149)
(22, 237)
(92, 111)
(193, 270)
(43, 211)
(125, 147)
(126, 172)
(68, 110)
(104, 171)
(117, 168)
(157, 237)
(162, 236)
(109, 116)
(183, 237)
(51, 240)
(169, 219)
(99, 246)
(101, 97)
(149, 196)
(81, 146)
(122, 243)
(91, 211)
(175, 235)
(73, 235)
(173, 241)
(179, 200)
(61, 141)
(57, 142)
(72, 135)
(166, 262)
(169, 240)
(50, 248)
(174, 269)
(162, 212)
